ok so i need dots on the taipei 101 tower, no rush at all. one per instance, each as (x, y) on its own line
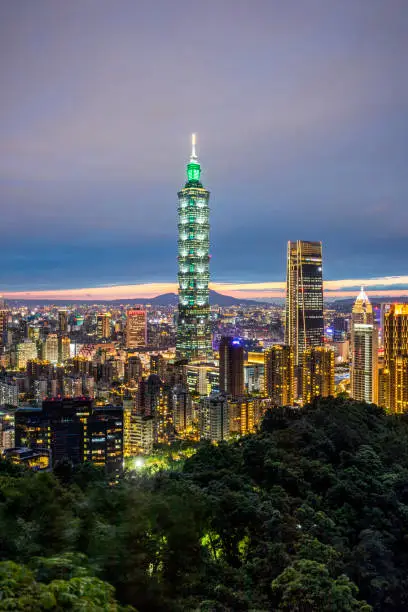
(193, 328)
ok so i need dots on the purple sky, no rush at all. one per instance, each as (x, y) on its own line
(301, 110)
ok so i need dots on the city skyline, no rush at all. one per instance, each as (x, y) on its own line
(387, 287)
(300, 113)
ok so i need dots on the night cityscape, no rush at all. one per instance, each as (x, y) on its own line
(203, 380)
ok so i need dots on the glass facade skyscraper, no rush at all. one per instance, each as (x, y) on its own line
(193, 328)
(304, 327)
(364, 351)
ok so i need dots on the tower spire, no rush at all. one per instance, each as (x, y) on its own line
(193, 148)
(193, 166)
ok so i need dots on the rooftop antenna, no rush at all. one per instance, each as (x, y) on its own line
(193, 147)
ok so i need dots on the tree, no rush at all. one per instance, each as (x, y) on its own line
(306, 586)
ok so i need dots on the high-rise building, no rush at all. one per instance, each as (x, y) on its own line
(136, 327)
(133, 369)
(318, 373)
(182, 411)
(9, 394)
(364, 351)
(64, 349)
(394, 376)
(63, 321)
(25, 351)
(6, 430)
(51, 348)
(214, 418)
(193, 325)
(202, 378)
(4, 314)
(304, 327)
(103, 325)
(158, 366)
(104, 437)
(142, 434)
(231, 367)
(73, 429)
(279, 374)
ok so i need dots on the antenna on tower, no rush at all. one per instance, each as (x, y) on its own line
(193, 147)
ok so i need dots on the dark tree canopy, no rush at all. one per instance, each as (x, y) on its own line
(309, 514)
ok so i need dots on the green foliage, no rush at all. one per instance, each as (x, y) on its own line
(309, 514)
(306, 586)
(21, 591)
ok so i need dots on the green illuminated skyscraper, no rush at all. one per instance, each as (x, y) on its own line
(193, 330)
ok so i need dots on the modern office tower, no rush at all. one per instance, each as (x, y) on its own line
(394, 378)
(24, 352)
(81, 365)
(51, 348)
(318, 373)
(133, 369)
(38, 368)
(158, 366)
(182, 410)
(6, 430)
(153, 398)
(8, 394)
(254, 372)
(4, 314)
(279, 375)
(105, 439)
(364, 351)
(231, 367)
(73, 429)
(241, 413)
(213, 418)
(340, 329)
(142, 434)
(304, 328)
(163, 430)
(193, 326)
(103, 325)
(33, 333)
(246, 413)
(136, 327)
(32, 428)
(128, 412)
(40, 390)
(62, 321)
(88, 386)
(202, 378)
(64, 347)
(73, 386)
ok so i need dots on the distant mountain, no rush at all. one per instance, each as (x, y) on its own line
(218, 299)
(166, 299)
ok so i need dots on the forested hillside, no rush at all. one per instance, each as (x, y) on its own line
(309, 514)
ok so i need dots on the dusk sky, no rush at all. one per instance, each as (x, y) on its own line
(301, 112)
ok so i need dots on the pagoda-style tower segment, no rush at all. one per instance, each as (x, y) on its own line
(193, 332)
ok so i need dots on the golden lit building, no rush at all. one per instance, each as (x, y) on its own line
(4, 314)
(136, 327)
(128, 410)
(394, 377)
(64, 349)
(279, 374)
(103, 325)
(364, 351)
(25, 351)
(317, 373)
(51, 348)
(63, 321)
(304, 326)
